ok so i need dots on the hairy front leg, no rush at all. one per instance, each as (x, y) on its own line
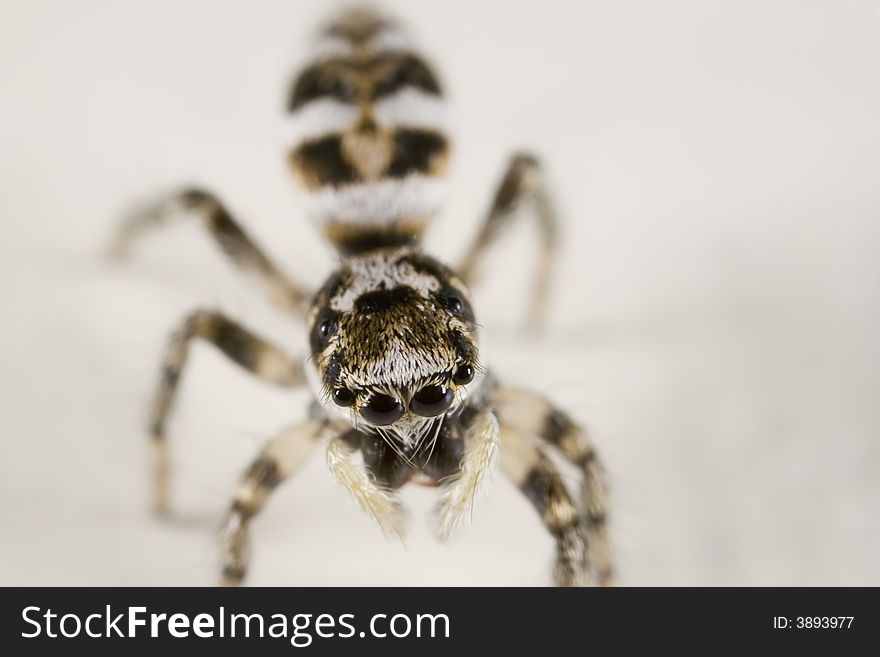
(280, 458)
(522, 192)
(247, 350)
(235, 243)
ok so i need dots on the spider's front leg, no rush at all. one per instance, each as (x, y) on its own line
(527, 414)
(275, 463)
(235, 243)
(522, 191)
(247, 350)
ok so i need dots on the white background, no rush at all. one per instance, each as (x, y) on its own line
(715, 325)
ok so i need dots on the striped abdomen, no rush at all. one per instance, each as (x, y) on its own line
(368, 142)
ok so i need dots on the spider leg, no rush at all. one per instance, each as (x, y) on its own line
(281, 456)
(533, 415)
(539, 480)
(230, 237)
(521, 188)
(250, 352)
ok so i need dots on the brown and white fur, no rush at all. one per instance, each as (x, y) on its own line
(393, 358)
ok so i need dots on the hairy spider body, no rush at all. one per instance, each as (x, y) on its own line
(393, 358)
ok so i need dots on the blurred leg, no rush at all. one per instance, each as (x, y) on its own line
(250, 352)
(220, 224)
(540, 482)
(522, 188)
(282, 456)
(533, 415)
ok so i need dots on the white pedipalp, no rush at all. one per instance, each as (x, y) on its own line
(376, 501)
(458, 497)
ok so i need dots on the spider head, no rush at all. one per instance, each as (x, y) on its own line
(393, 343)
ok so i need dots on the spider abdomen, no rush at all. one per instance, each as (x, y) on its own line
(367, 135)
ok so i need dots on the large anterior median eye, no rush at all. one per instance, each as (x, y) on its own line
(431, 401)
(382, 410)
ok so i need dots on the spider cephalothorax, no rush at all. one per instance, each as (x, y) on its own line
(393, 341)
(392, 358)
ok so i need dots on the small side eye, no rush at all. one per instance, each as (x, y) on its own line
(463, 375)
(326, 328)
(343, 397)
(454, 304)
(382, 410)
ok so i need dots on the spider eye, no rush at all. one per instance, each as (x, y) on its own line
(327, 328)
(463, 375)
(455, 305)
(455, 302)
(382, 410)
(343, 397)
(431, 401)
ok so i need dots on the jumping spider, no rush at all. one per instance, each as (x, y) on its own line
(394, 364)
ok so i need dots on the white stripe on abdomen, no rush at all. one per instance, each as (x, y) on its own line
(378, 203)
(319, 118)
(408, 108)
